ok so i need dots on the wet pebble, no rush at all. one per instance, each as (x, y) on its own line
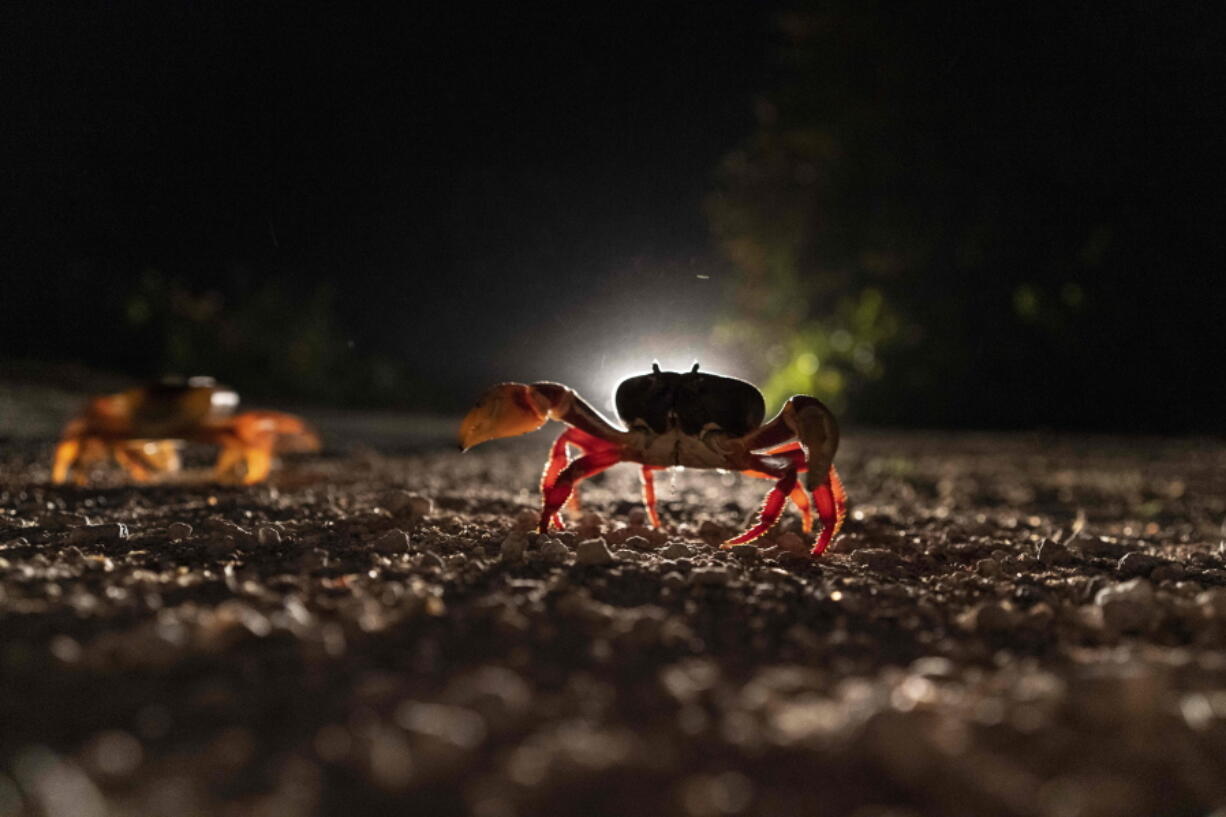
(268, 536)
(178, 531)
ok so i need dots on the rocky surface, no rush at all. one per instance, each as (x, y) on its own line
(1010, 625)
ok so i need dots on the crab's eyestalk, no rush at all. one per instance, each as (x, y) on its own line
(506, 410)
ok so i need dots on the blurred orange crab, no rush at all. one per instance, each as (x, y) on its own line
(143, 428)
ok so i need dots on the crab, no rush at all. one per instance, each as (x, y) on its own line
(677, 419)
(143, 428)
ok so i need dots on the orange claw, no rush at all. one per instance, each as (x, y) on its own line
(506, 410)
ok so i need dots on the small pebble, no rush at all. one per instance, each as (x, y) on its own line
(637, 517)
(1137, 564)
(673, 580)
(1213, 603)
(711, 533)
(745, 552)
(638, 543)
(554, 551)
(178, 531)
(1169, 572)
(989, 568)
(431, 559)
(676, 550)
(414, 506)
(1097, 546)
(1127, 606)
(710, 575)
(526, 521)
(875, 558)
(220, 546)
(393, 541)
(513, 547)
(994, 617)
(625, 554)
(1054, 553)
(241, 535)
(88, 534)
(792, 542)
(268, 536)
(591, 525)
(593, 552)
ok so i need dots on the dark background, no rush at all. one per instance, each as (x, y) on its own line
(395, 207)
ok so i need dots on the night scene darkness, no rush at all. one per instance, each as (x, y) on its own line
(886, 340)
(393, 207)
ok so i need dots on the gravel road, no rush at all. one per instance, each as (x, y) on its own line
(1010, 625)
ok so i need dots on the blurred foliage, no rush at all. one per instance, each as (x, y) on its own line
(938, 222)
(269, 338)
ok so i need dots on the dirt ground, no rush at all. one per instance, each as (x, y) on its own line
(1010, 625)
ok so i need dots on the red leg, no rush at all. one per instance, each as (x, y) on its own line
(559, 458)
(772, 507)
(649, 493)
(811, 423)
(801, 500)
(829, 497)
(831, 503)
(588, 465)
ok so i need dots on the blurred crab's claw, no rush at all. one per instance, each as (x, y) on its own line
(506, 410)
